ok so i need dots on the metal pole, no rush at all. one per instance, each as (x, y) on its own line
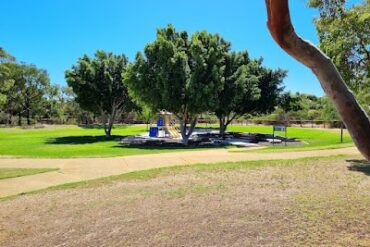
(285, 134)
(341, 133)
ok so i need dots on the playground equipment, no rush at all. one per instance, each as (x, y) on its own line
(166, 127)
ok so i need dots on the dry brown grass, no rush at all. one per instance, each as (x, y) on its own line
(310, 203)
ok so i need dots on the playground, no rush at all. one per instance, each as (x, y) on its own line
(270, 188)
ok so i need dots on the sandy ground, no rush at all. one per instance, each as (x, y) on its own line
(73, 170)
(310, 203)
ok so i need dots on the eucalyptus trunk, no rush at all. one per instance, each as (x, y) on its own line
(353, 116)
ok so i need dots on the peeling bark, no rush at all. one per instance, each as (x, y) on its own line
(353, 116)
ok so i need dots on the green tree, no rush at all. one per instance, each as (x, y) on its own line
(99, 87)
(180, 75)
(6, 82)
(30, 85)
(240, 89)
(344, 37)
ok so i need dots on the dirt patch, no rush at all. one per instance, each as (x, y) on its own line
(311, 203)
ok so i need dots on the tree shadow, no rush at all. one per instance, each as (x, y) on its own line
(359, 166)
(76, 140)
(169, 145)
(100, 126)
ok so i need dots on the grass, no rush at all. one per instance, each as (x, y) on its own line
(303, 202)
(74, 141)
(314, 138)
(149, 174)
(20, 172)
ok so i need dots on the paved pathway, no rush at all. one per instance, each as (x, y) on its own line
(73, 170)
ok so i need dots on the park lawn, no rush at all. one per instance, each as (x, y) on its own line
(74, 141)
(20, 172)
(314, 138)
(302, 202)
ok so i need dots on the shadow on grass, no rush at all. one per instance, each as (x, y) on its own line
(166, 146)
(100, 126)
(75, 140)
(359, 166)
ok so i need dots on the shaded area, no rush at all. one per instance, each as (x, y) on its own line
(163, 144)
(359, 166)
(76, 140)
(100, 126)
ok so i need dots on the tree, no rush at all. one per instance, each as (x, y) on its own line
(249, 88)
(353, 116)
(289, 102)
(179, 74)
(99, 86)
(6, 81)
(344, 37)
(30, 85)
(240, 87)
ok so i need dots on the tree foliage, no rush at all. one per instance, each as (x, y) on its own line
(344, 34)
(6, 81)
(250, 88)
(99, 87)
(179, 74)
(26, 95)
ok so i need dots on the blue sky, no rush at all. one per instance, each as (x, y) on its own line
(54, 34)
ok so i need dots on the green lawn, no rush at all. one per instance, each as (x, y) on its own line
(73, 141)
(314, 138)
(20, 172)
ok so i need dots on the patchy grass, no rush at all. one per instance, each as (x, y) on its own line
(305, 202)
(74, 141)
(20, 172)
(149, 174)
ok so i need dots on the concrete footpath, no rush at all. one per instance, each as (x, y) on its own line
(74, 170)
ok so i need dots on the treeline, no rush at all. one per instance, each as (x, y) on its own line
(182, 74)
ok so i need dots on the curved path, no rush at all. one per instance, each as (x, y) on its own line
(74, 170)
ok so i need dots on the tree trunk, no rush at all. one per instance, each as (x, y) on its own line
(28, 117)
(353, 116)
(108, 123)
(185, 134)
(19, 119)
(223, 127)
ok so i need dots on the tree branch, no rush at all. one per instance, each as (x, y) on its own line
(353, 116)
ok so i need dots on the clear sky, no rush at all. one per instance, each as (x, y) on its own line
(53, 34)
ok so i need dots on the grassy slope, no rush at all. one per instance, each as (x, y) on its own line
(164, 171)
(73, 141)
(20, 172)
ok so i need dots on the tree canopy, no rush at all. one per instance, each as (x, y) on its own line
(344, 34)
(99, 87)
(179, 74)
(249, 88)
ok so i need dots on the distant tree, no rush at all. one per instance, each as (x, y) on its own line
(6, 82)
(289, 102)
(30, 85)
(344, 36)
(99, 87)
(328, 112)
(180, 75)
(240, 89)
(145, 114)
